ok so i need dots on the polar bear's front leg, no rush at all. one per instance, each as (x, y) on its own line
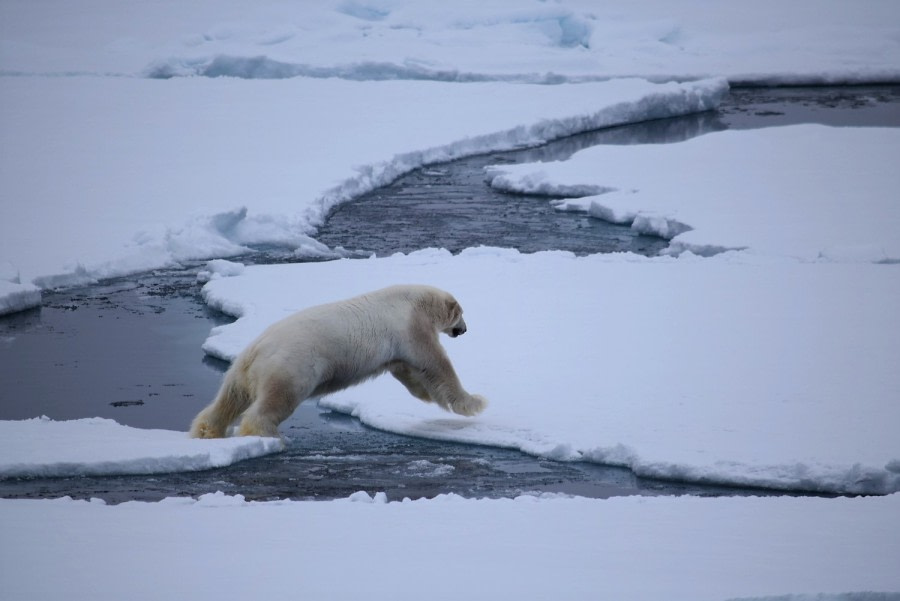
(440, 381)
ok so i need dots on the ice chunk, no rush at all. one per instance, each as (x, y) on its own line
(363, 497)
(219, 268)
(814, 192)
(18, 297)
(42, 447)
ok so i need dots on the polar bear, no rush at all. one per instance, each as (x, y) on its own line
(330, 347)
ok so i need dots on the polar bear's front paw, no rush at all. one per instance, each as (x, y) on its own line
(472, 405)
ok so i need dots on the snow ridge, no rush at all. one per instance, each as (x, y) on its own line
(263, 67)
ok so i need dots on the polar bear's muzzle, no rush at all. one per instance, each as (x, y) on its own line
(457, 329)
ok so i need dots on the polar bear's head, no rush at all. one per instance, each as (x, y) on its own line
(438, 309)
(458, 328)
(456, 325)
(451, 320)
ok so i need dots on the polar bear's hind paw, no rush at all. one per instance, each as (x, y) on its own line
(203, 429)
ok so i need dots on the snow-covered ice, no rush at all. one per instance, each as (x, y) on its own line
(18, 297)
(727, 369)
(805, 191)
(630, 548)
(83, 147)
(766, 41)
(42, 447)
(14, 295)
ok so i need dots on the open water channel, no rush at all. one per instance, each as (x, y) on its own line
(129, 349)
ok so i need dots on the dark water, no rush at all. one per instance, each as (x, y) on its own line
(852, 106)
(126, 349)
(129, 349)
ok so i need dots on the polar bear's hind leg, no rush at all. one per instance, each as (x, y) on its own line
(230, 402)
(278, 398)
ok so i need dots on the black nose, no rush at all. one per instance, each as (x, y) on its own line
(457, 332)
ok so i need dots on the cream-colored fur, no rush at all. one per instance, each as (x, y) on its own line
(327, 348)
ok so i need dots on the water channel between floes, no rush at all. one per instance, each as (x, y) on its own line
(129, 349)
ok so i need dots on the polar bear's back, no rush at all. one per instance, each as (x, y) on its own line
(374, 326)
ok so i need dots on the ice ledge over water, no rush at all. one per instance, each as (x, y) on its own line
(18, 297)
(807, 192)
(41, 447)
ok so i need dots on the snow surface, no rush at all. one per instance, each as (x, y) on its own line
(805, 191)
(41, 448)
(629, 548)
(766, 41)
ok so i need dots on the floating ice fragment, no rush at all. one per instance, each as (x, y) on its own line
(362, 496)
(18, 297)
(220, 268)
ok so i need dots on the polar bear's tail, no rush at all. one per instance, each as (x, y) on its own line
(232, 400)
